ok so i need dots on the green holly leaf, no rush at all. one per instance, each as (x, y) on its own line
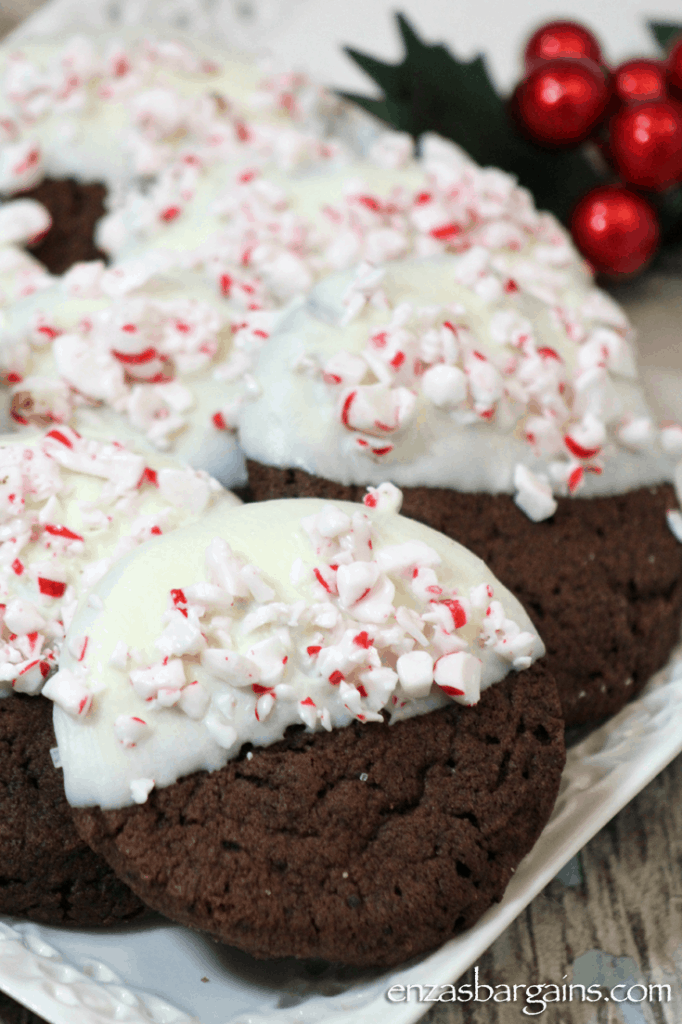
(664, 32)
(432, 91)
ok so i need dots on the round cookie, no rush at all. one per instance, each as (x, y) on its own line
(48, 874)
(367, 845)
(426, 765)
(514, 422)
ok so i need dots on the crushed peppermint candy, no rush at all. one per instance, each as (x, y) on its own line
(69, 508)
(373, 623)
(496, 388)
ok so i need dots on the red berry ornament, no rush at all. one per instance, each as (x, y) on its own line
(639, 81)
(616, 230)
(559, 103)
(674, 67)
(646, 144)
(561, 39)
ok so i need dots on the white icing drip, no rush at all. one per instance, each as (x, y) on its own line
(295, 618)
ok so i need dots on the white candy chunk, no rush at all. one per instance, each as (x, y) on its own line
(637, 433)
(224, 569)
(30, 675)
(90, 370)
(168, 698)
(22, 617)
(130, 730)
(398, 558)
(445, 386)
(270, 657)
(415, 672)
(331, 521)
(140, 789)
(69, 692)
(23, 221)
(344, 368)
(671, 438)
(459, 675)
(307, 712)
(225, 735)
(260, 590)
(21, 165)
(376, 409)
(674, 519)
(264, 706)
(355, 581)
(380, 684)
(230, 666)
(522, 647)
(148, 682)
(82, 280)
(182, 635)
(533, 494)
(384, 498)
(589, 434)
(184, 489)
(377, 605)
(194, 700)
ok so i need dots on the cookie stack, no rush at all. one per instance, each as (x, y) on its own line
(307, 724)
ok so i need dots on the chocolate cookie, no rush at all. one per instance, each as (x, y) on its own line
(47, 872)
(367, 845)
(75, 208)
(601, 579)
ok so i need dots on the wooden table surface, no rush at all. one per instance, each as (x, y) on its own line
(614, 915)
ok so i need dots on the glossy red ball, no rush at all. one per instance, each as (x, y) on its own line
(640, 81)
(616, 230)
(674, 69)
(560, 102)
(561, 39)
(646, 144)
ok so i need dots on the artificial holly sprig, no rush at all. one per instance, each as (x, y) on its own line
(432, 91)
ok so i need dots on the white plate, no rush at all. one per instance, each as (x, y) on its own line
(154, 970)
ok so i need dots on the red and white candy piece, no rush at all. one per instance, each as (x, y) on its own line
(168, 676)
(194, 700)
(459, 675)
(70, 692)
(131, 730)
(140, 789)
(21, 165)
(23, 222)
(533, 494)
(415, 672)
(376, 409)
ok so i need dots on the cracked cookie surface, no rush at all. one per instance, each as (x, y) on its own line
(367, 845)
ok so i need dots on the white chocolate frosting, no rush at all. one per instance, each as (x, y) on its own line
(268, 615)
(491, 371)
(69, 508)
